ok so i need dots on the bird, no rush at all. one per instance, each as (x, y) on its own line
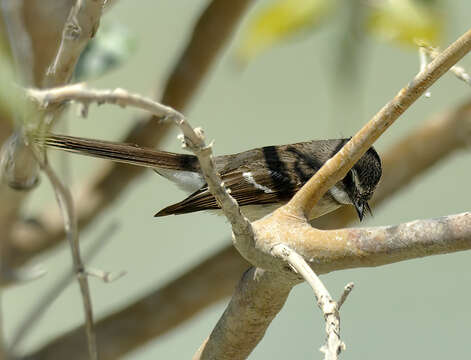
(260, 179)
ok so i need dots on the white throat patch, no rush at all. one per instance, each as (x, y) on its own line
(340, 195)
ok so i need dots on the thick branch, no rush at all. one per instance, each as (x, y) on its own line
(336, 250)
(257, 299)
(330, 250)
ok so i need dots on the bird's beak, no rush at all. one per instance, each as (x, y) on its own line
(361, 206)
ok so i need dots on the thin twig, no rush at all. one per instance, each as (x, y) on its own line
(78, 92)
(346, 291)
(39, 308)
(423, 60)
(192, 138)
(65, 202)
(105, 276)
(328, 306)
(457, 70)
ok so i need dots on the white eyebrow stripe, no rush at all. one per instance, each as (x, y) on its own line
(249, 178)
(356, 179)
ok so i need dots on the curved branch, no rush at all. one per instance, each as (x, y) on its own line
(107, 184)
(191, 138)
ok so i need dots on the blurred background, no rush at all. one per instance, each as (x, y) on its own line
(323, 82)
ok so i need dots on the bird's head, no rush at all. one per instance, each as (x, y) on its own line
(358, 185)
(362, 179)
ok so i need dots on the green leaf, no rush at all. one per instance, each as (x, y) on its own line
(407, 22)
(279, 21)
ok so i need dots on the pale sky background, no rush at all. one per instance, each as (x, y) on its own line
(413, 309)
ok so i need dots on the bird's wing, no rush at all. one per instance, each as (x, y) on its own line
(260, 186)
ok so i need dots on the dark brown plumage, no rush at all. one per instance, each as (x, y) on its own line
(270, 175)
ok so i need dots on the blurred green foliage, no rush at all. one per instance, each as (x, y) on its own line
(401, 22)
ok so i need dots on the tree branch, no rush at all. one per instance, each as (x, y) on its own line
(328, 306)
(336, 250)
(39, 308)
(338, 166)
(431, 143)
(81, 26)
(66, 204)
(259, 296)
(458, 71)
